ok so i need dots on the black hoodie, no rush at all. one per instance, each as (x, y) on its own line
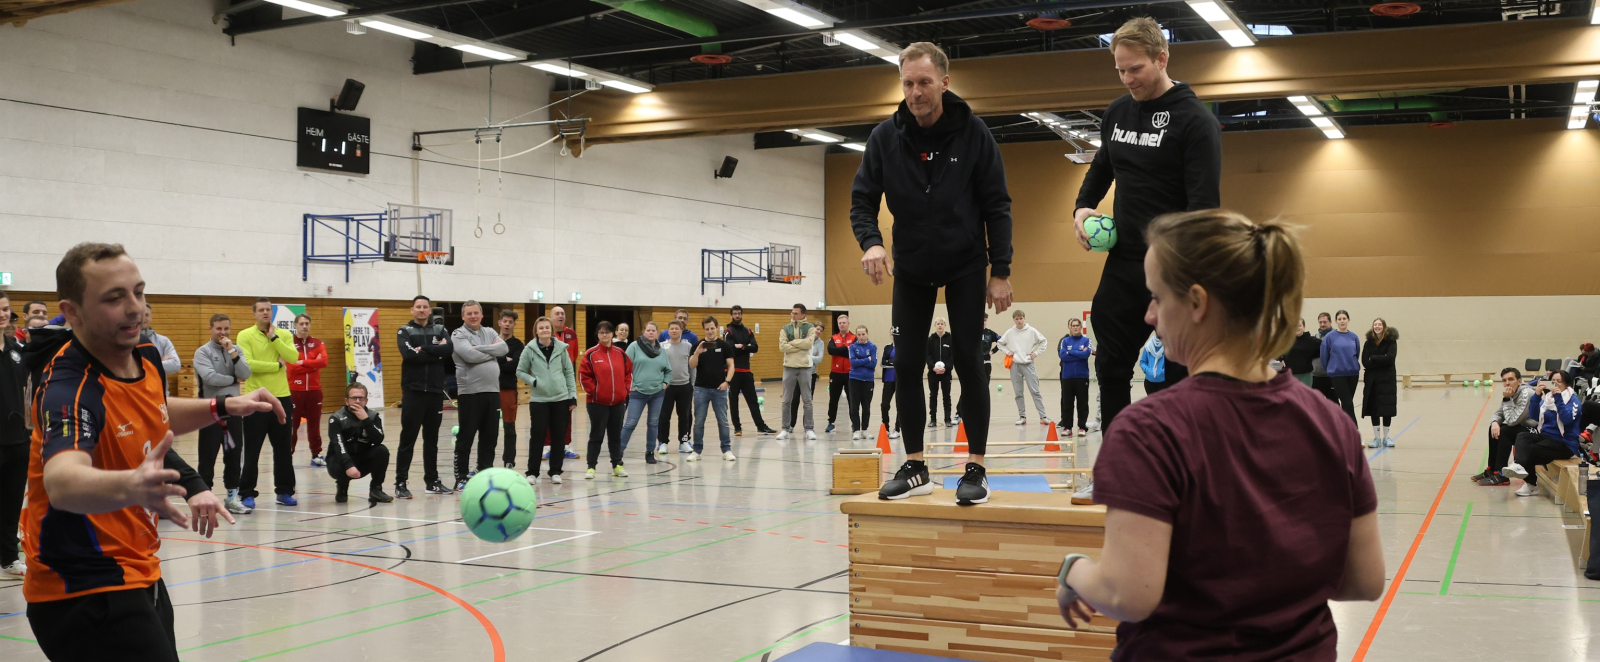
(739, 334)
(945, 186)
(1165, 155)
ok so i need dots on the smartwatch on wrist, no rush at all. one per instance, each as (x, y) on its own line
(1066, 567)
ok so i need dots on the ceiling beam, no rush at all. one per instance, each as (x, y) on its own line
(1467, 55)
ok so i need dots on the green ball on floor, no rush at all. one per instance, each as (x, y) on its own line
(1465, 383)
(455, 430)
(761, 400)
(497, 504)
(999, 388)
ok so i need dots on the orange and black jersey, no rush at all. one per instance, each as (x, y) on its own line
(83, 407)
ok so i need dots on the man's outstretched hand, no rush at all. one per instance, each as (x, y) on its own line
(875, 262)
(999, 294)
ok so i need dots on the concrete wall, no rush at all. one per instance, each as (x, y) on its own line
(141, 124)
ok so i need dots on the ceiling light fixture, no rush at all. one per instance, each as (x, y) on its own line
(397, 30)
(321, 9)
(486, 52)
(794, 12)
(595, 76)
(869, 44)
(1578, 118)
(1311, 109)
(859, 147)
(1222, 19)
(1582, 98)
(818, 135)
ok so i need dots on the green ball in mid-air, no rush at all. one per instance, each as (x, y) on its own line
(455, 430)
(497, 504)
(761, 400)
(1101, 231)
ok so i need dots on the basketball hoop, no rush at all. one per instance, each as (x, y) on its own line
(796, 278)
(434, 259)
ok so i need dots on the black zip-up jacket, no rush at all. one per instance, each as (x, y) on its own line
(739, 334)
(13, 383)
(942, 348)
(508, 364)
(348, 435)
(1165, 155)
(986, 344)
(945, 186)
(423, 364)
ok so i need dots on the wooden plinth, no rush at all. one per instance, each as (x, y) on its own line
(973, 582)
(857, 471)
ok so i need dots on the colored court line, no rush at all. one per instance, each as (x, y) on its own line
(1396, 437)
(494, 635)
(1405, 565)
(1503, 597)
(1450, 570)
(795, 636)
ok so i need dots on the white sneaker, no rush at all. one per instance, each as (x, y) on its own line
(235, 506)
(1044, 421)
(619, 472)
(729, 456)
(1085, 496)
(685, 447)
(895, 434)
(1514, 470)
(1082, 432)
(1021, 421)
(1094, 424)
(855, 436)
(533, 480)
(811, 435)
(783, 435)
(693, 457)
(16, 572)
(661, 450)
(556, 479)
(1528, 489)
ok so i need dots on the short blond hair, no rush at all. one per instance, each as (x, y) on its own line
(930, 50)
(1142, 34)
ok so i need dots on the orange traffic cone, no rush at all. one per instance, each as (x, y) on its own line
(883, 440)
(1052, 437)
(961, 437)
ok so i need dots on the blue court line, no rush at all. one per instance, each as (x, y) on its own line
(1402, 433)
(235, 574)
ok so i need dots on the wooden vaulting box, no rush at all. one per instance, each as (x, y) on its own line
(972, 582)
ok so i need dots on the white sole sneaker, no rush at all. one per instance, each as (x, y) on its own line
(855, 436)
(1528, 489)
(1021, 422)
(729, 456)
(894, 435)
(555, 480)
(783, 435)
(811, 436)
(693, 457)
(533, 480)
(1514, 470)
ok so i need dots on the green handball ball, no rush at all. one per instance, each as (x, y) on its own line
(498, 504)
(999, 388)
(1466, 383)
(761, 400)
(1102, 232)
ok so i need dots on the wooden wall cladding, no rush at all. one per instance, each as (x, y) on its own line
(765, 364)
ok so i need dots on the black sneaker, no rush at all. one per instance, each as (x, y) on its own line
(949, 424)
(376, 495)
(974, 485)
(911, 480)
(461, 484)
(510, 464)
(650, 458)
(400, 491)
(342, 494)
(766, 431)
(437, 487)
(1494, 480)
(1485, 474)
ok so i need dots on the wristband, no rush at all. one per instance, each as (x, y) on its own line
(1066, 567)
(217, 409)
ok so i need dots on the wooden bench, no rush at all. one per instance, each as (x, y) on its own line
(975, 582)
(1444, 379)
(1557, 478)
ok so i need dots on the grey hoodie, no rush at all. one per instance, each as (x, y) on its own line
(678, 354)
(1513, 411)
(476, 351)
(218, 372)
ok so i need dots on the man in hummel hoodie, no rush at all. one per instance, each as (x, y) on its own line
(937, 166)
(1163, 148)
(425, 355)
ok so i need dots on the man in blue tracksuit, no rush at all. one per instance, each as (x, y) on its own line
(863, 360)
(1074, 351)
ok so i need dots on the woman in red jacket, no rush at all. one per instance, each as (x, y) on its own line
(305, 388)
(606, 373)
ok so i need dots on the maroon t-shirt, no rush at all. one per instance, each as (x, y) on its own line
(1260, 482)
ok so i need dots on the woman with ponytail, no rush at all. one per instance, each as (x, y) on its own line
(1238, 501)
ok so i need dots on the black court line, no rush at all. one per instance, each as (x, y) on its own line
(798, 630)
(574, 573)
(625, 489)
(663, 627)
(372, 536)
(405, 157)
(231, 548)
(369, 507)
(840, 573)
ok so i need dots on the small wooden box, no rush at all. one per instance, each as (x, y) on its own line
(857, 471)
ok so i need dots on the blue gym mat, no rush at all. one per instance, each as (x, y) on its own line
(822, 652)
(1008, 483)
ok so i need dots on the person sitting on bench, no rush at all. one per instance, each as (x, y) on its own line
(1510, 420)
(1556, 411)
(355, 446)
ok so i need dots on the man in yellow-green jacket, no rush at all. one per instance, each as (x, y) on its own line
(268, 350)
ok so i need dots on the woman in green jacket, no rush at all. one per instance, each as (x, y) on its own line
(651, 372)
(547, 369)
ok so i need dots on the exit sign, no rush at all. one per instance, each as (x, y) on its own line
(5, 279)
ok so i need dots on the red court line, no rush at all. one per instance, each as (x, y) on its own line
(1400, 576)
(488, 628)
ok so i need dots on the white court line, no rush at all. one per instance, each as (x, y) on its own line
(845, 642)
(519, 549)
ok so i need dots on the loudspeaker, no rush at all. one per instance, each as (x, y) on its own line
(726, 171)
(350, 95)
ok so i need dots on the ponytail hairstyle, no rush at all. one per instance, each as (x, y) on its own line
(1253, 271)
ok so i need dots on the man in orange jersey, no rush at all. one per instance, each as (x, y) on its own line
(102, 468)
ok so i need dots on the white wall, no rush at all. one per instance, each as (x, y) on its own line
(140, 124)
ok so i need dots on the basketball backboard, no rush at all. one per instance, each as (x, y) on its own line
(783, 264)
(412, 231)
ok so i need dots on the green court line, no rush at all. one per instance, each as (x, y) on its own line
(793, 637)
(352, 634)
(1503, 597)
(560, 581)
(26, 641)
(1450, 570)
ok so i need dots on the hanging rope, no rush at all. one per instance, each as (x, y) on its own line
(477, 199)
(503, 158)
(500, 188)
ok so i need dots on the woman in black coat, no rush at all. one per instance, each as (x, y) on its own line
(1380, 395)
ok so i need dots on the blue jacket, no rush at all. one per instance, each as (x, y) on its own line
(1074, 354)
(1558, 419)
(1341, 353)
(863, 358)
(888, 363)
(1153, 360)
